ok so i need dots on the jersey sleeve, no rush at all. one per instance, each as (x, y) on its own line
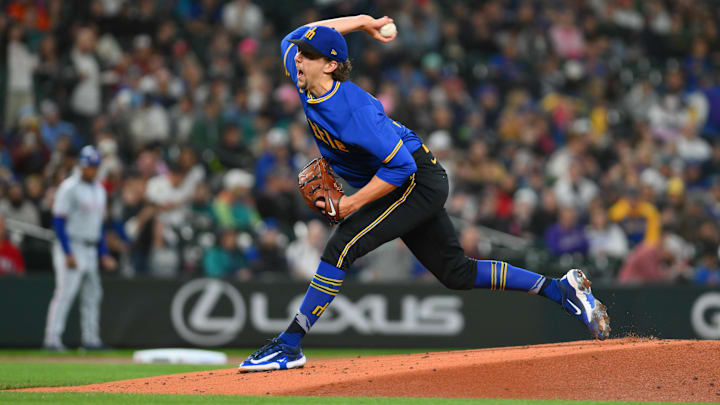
(63, 201)
(288, 51)
(372, 130)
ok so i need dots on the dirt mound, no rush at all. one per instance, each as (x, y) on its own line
(619, 369)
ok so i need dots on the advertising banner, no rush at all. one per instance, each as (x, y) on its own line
(215, 313)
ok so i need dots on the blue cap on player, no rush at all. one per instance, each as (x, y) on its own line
(325, 41)
(89, 156)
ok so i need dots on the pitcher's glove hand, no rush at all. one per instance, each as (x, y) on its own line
(317, 183)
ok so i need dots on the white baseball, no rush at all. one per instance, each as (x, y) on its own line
(388, 30)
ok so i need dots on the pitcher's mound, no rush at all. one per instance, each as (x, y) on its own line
(619, 369)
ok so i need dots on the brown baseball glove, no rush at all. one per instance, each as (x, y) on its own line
(317, 183)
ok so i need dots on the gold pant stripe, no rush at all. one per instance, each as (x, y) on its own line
(377, 221)
(328, 280)
(492, 275)
(324, 289)
(504, 275)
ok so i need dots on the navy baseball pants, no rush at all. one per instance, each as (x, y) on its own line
(413, 212)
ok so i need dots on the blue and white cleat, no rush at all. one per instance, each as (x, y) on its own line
(578, 300)
(275, 355)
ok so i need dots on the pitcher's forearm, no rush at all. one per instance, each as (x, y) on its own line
(375, 189)
(345, 25)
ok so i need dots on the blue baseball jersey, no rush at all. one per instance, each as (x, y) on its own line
(352, 130)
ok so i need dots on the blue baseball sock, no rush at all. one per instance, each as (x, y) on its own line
(552, 291)
(497, 275)
(324, 286)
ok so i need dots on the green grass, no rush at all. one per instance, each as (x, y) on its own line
(87, 398)
(38, 374)
(9, 354)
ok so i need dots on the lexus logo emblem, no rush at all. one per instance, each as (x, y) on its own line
(201, 327)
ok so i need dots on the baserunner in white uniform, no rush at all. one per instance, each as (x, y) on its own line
(78, 213)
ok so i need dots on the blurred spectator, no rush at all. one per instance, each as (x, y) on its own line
(171, 192)
(11, 260)
(202, 206)
(243, 18)
(566, 38)
(20, 66)
(275, 159)
(567, 236)
(654, 263)
(639, 219)
(29, 154)
(692, 148)
(607, 240)
(712, 200)
(111, 165)
(233, 151)
(524, 205)
(50, 78)
(164, 258)
(207, 128)
(708, 272)
(574, 188)
(225, 260)
(391, 262)
(478, 168)
(471, 240)
(561, 160)
(182, 119)
(546, 214)
(53, 128)
(17, 207)
(303, 254)
(85, 99)
(149, 123)
(234, 206)
(278, 200)
(268, 261)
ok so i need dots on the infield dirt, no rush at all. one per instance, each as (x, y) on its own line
(628, 369)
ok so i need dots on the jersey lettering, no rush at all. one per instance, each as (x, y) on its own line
(323, 135)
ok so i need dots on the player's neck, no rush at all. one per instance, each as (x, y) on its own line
(321, 87)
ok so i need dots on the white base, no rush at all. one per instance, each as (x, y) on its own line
(179, 356)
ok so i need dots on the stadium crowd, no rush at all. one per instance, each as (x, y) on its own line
(575, 132)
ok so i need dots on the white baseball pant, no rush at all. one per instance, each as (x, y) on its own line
(67, 283)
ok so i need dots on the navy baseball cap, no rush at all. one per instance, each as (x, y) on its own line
(89, 156)
(325, 41)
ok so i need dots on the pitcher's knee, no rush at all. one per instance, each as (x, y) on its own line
(458, 275)
(455, 283)
(335, 254)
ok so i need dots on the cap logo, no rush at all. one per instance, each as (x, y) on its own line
(332, 52)
(309, 34)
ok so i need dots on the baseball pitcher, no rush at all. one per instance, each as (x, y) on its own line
(401, 193)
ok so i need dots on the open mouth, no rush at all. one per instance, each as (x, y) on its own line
(300, 74)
